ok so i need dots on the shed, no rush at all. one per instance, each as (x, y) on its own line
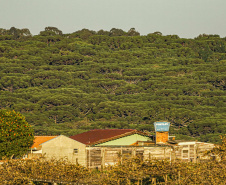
(63, 147)
(36, 148)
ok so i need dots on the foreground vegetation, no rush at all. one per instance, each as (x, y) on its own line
(69, 83)
(133, 171)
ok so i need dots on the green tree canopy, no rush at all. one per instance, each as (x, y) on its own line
(16, 135)
(114, 79)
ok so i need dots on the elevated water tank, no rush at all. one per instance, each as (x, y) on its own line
(161, 126)
(161, 131)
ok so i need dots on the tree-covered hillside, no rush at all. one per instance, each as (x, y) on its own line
(69, 83)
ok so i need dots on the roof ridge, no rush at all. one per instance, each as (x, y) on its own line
(117, 136)
(113, 129)
(95, 135)
(46, 136)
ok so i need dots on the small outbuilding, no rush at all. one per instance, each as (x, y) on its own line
(36, 148)
(62, 147)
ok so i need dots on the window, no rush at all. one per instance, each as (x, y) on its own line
(185, 154)
(76, 151)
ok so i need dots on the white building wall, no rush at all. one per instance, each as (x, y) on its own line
(63, 147)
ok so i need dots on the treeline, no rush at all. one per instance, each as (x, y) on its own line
(69, 83)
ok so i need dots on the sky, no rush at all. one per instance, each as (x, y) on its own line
(185, 18)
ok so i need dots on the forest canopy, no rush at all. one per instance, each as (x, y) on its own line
(69, 83)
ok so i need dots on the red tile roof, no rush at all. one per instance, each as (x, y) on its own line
(101, 135)
(39, 140)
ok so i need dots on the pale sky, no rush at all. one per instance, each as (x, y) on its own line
(185, 18)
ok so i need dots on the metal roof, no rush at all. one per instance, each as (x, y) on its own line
(102, 135)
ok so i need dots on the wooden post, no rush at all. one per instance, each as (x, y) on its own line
(121, 155)
(164, 153)
(133, 152)
(166, 179)
(189, 153)
(89, 158)
(119, 182)
(128, 181)
(195, 155)
(153, 181)
(102, 158)
(182, 152)
(171, 155)
(179, 177)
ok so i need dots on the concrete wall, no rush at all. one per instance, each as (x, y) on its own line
(64, 147)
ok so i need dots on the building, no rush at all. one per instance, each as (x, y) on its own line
(62, 147)
(102, 147)
(36, 148)
(84, 147)
(192, 151)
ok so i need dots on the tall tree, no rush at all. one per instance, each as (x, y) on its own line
(133, 32)
(16, 135)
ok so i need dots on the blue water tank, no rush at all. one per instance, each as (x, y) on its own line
(161, 126)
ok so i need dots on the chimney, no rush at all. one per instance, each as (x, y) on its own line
(161, 131)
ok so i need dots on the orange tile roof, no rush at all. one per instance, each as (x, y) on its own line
(39, 140)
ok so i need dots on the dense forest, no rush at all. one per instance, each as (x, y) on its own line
(69, 83)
